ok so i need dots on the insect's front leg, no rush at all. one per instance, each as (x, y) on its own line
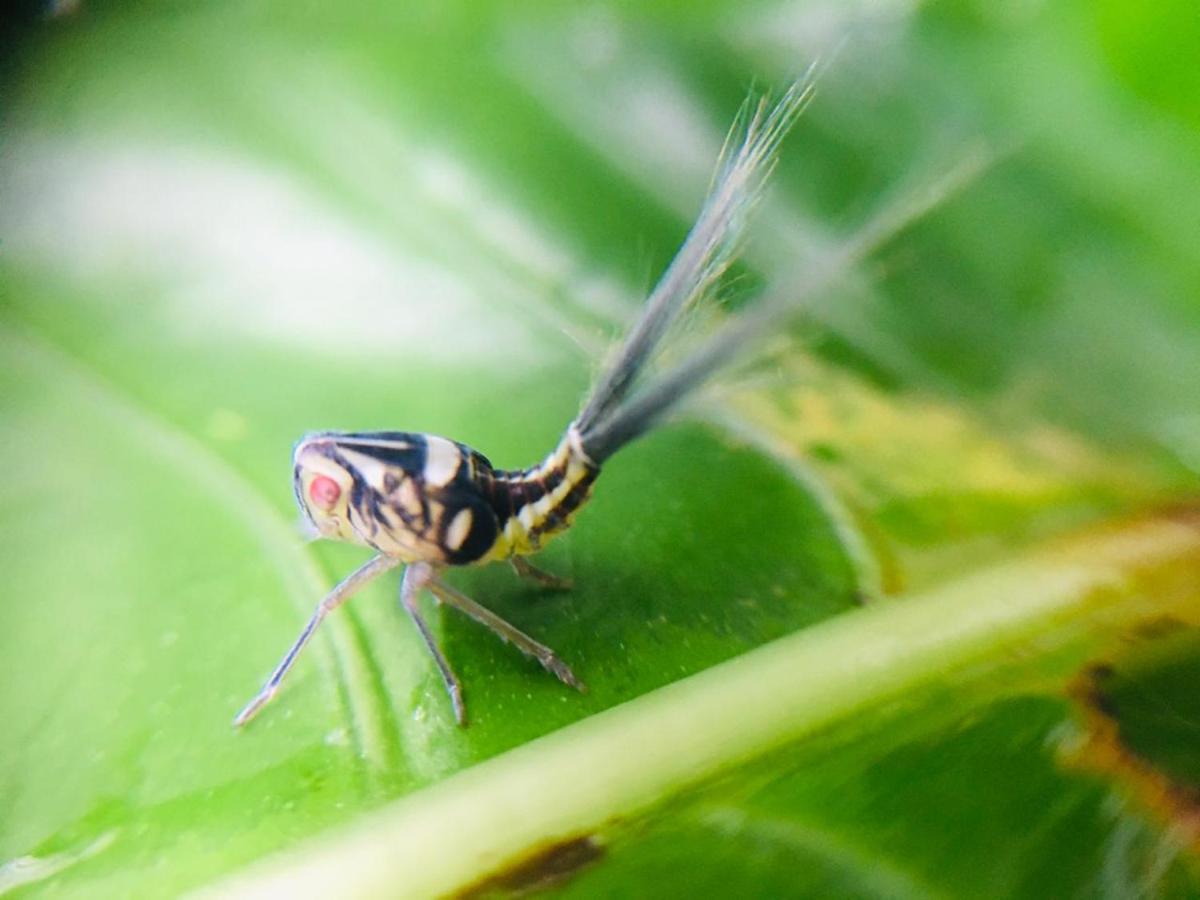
(345, 589)
(548, 580)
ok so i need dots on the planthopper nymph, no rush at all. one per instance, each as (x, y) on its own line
(427, 503)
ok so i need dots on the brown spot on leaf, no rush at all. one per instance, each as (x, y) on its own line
(1186, 512)
(542, 869)
(1102, 751)
(1159, 627)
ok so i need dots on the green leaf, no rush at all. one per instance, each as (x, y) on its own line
(907, 608)
(585, 776)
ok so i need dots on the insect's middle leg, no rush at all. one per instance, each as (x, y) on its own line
(417, 577)
(506, 632)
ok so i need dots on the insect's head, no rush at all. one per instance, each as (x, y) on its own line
(323, 484)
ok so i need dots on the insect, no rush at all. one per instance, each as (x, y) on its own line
(428, 503)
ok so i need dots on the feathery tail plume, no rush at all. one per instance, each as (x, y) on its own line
(746, 162)
(625, 419)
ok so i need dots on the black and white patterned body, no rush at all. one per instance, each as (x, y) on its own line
(423, 498)
(429, 503)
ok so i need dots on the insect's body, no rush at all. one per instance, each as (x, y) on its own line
(429, 503)
(534, 504)
(423, 498)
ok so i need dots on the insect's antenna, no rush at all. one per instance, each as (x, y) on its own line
(780, 305)
(746, 161)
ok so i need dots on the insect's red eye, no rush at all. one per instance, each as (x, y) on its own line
(324, 491)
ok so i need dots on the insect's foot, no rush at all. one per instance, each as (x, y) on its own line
(456, 701)
(251, 709)
(562, 672)
(554, 582)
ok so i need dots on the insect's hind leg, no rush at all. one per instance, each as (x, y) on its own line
(506, 632)
(548, 580)
(416, 577)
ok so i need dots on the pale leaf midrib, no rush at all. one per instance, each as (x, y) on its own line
(576, 780)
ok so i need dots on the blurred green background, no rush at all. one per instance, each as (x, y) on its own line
(225, 224)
